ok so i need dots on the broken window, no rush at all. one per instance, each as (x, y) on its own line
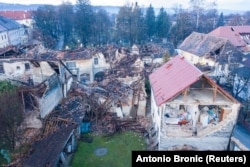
(217, 52)
(27, 66)
(35, 63)
(95, 61)
(84, 77)
(71, 65)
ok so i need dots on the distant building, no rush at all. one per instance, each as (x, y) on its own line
(239, 36)
(22, 17)
(214, 55)
(4, 42)
(13, 32)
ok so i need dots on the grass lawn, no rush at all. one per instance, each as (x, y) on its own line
(119, 153)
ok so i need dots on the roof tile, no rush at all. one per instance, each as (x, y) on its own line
(172, 78)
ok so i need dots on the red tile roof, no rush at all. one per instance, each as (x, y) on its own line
(172, 78)
(17, 15)
(232, 33)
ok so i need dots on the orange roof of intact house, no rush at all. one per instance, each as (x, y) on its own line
(17, 15)
(172, 78)
(233, 34)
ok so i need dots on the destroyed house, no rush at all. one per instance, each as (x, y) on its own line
(215, 55)
(55, 149)
(239, 36)
(84, 64)
(154, 53)
(42, 83)
(60, 133)
(190, 109)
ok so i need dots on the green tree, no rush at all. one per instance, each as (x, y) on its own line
(11, 115)
(220, 21)
(235, 20)
(46, 22)
(84, 18)
(66, 17)
(247, 16)
(123, 24)
(183, 27)
(138, 27)
(150, 21)
(198, 7)
(130, 25)
(102, 27)
(207, 22)
(204, 14)
(162, 24)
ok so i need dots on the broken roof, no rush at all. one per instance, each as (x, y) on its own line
(47, 151)
(232, 33)
(208, 45)
(201, 44)
(173, 77)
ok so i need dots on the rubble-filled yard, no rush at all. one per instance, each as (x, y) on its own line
(112, 151)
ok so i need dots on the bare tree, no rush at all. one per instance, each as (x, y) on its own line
(241, 80)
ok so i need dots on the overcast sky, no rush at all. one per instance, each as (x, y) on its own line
(221, 4)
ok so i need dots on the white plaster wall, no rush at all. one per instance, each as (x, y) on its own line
(194, 112)
(158, 60)
(39, 74)
(197, 59)
(14, 69)
(213, 137)
(156, 113)
(4, 39)
(27, 22)
(102, 64)
(49, 102)
(85, 66)
(14, 36)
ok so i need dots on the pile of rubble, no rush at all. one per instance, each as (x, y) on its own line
(111, 124)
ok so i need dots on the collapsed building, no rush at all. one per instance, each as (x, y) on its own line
(190, 109)
(107, 83)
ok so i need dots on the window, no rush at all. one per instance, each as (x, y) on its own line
(27, 66)
(1, 68)
(71, 64)
(95, 61)
(18, 67)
